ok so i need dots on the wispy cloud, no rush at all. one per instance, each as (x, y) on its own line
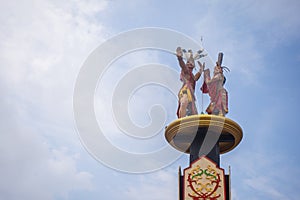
(156, 186)
(247, 32)
(30, 167)
(42, 46)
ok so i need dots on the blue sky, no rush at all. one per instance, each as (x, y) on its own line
(44, 45)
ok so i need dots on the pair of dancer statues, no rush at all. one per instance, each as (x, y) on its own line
(211, 85)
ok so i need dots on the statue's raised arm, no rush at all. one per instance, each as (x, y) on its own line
(186, 95)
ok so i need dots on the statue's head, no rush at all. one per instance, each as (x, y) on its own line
(218, 69)
(190, 64)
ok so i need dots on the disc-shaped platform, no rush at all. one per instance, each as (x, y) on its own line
(181, 132)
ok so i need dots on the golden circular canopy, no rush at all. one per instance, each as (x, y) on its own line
(181, 132)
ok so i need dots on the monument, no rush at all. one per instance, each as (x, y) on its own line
(203, 136)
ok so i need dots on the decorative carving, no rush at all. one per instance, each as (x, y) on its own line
(203, 180)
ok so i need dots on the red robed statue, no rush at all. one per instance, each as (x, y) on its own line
(214, 87)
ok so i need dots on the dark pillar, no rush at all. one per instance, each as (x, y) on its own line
(214, 153)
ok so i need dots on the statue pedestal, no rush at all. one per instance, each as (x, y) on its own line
(204, 135)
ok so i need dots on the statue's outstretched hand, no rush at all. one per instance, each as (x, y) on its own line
(179, 52)
(202, 66)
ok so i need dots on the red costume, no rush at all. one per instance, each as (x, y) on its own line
(218, 95)
(188, 87)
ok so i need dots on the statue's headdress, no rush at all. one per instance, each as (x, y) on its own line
(219, 63)
(191, 58)
(188, 55)
(220, 67)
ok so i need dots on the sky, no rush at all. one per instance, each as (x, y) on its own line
(44, 45)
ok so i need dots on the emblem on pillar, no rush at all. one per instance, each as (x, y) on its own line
(203, 180)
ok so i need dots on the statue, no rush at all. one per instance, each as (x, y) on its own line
(186, 95)
(214, 87)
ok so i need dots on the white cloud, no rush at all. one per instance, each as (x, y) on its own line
(268, 175)
(155, 186)
(42, 45)
(29, 167)
(139, 103)
(263, 185)
(42, 52)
